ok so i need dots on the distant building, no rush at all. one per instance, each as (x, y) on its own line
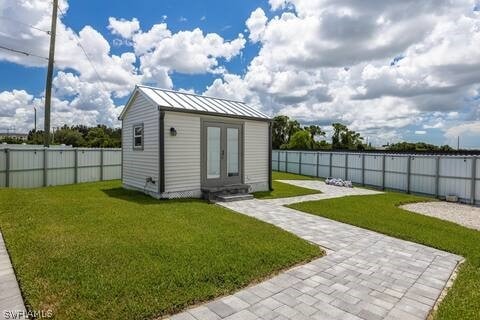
(21, 136)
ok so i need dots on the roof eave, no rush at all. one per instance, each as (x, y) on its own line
(215, 114)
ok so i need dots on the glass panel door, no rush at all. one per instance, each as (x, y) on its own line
(221, 154)
(213, 152)
(232, 152)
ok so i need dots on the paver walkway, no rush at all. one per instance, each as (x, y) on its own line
(11, 302)
(365, 275)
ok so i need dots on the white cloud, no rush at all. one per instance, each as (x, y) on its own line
(420, 132)
(256, 24)
(379, 67)
(185, 51)
(85, 93)
(468, 128)
(122, 27)
(467, 132)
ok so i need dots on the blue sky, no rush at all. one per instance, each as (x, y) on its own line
(223, 17)
(320, 61)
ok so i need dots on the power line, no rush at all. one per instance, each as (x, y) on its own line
(25, 24)
(22, 52)
(86, 55)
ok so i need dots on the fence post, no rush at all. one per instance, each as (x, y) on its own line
(101, 164)
(474, 175)
(383, 172)
(45, 166)
(363, 169)
(286, 161)
(278, 161)
(346, 166)
(318, 162)
(75, 167)
(437, 177)
(7, 168)
(330, 165)
(300, 162)
(409, 163)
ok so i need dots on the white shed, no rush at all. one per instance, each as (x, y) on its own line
(177, 144)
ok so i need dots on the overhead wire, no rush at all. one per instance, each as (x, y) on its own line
(26, 53)
(77, 39)
(25, 24)
(86, 54)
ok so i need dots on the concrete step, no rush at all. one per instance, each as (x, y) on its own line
(234, 197)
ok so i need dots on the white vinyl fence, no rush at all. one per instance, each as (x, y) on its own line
(36, 167)
(436, 175)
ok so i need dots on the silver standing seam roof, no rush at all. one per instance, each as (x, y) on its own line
(188, 102)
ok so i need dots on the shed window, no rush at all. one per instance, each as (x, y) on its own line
(138, 137)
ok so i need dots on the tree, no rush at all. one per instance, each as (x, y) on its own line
(314, 131)
(69, 136)
(344, 138)
(338, 130)
(418, 146)
(279, 131)
(97, 138)
(283, 129)
(35, 137)
(292, 128)
(100, 136)
(301, 140)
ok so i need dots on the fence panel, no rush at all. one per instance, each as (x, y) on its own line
(26, 168)
(354, 168)
(309, 163)
(293, 162)
(436, 175)
(3, 167)
(33, 167)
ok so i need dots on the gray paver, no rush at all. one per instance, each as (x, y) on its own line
(365, 275)
(10, 296)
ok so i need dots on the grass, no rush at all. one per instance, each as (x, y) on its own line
(285, 190)
(277, 175)
(91, 251)
(382, 214)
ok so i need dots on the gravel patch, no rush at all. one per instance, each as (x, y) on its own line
(462, 214)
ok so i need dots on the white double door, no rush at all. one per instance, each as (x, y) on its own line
(222, 154)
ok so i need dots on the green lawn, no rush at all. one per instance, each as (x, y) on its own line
(96, 251)
(278, 175)
(381, 213)
(285, 190)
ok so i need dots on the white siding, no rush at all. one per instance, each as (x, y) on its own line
(138, 165)
(256, 154)
(182, 153)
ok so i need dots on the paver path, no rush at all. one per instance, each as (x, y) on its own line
(11, 302)
(365, 275)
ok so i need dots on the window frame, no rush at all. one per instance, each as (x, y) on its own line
(142, 136)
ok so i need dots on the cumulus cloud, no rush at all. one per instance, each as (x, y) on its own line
(379, 67)
(185, 51)
(122, 27)
(256, 24)
(88, 82)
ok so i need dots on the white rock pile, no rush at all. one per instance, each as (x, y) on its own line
(339, 182)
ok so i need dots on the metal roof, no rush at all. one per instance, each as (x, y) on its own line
(188, 102)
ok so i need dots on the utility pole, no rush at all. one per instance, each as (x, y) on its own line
(458, 143)
(48, 89)
(35, 125)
